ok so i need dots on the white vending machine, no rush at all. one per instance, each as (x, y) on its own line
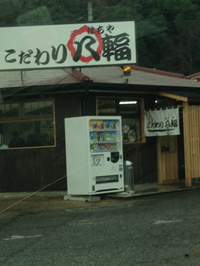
(94, 155)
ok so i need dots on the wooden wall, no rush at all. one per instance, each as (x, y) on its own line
(144, 159)
(167, 161)
(35, 168)
(194, 139)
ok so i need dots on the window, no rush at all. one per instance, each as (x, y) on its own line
(130, 111)
(8, 110)
(27, 124)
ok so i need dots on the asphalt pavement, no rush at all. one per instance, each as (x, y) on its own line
(162, 229)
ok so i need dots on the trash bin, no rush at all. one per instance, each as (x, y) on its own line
(128, 176)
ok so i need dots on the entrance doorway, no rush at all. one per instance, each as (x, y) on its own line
(167, 154)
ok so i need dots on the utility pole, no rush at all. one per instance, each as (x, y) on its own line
(86, 86)
(90, 13)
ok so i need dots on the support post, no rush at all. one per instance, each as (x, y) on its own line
(188, 178)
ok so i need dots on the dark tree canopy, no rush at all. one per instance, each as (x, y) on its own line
(167, 31)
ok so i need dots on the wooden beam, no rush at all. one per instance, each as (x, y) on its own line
(159, 163)
(170, 181)
(143, 138)
(188, 175)
(174, 96)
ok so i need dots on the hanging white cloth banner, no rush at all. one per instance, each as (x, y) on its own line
(162, 122)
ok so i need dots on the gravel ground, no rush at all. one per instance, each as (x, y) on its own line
(155, 230)
(34, 204)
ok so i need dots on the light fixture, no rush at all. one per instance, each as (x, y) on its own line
(127, 70)
(128, 102)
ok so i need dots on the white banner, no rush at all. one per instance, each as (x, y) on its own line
(63, 46)
(162, 122)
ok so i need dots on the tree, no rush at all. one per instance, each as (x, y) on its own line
(167, 31)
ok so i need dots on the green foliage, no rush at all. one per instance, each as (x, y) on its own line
(167, 31)
(38, 16)
(115, 13)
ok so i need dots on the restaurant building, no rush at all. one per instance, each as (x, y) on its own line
(34, 104)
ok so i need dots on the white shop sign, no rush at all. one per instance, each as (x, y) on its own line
(162, 122)
(67, 46)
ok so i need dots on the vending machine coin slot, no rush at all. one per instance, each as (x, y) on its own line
(114, 157)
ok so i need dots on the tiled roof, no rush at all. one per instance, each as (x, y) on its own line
(195, 76)
(159, 72)
(139, 76)
(107, 74)
(11, 79)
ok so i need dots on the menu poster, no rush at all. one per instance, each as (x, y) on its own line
(129, 133)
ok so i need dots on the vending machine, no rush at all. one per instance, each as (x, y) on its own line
(94, 155)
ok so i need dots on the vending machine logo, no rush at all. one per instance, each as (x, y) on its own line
(97, 160)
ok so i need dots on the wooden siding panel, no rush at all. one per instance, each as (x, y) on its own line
(194, 140)
(35, 168)
(187, 144)
(197, 139)
(167, 164)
